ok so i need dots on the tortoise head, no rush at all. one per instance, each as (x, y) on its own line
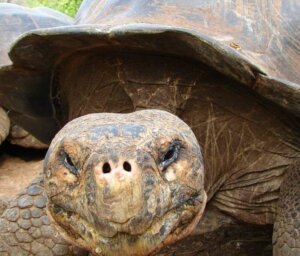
(125, 183)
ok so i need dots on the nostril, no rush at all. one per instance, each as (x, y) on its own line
(106, 168)
(127, 166)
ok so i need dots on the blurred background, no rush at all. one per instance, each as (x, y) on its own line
(68, 7)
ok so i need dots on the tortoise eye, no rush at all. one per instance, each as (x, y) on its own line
(68, 163)
(171, 155)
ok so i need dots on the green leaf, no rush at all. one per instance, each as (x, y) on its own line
(68, 7)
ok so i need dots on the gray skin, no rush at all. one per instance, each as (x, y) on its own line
(250, 150)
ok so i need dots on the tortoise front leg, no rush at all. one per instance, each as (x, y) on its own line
(25, 228)
(286, 235)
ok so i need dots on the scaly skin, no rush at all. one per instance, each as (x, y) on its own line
(286, 236)
(25, 228)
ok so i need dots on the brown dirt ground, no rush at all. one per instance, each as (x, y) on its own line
(16, 174)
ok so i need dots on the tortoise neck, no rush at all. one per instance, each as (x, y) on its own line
(125, 82)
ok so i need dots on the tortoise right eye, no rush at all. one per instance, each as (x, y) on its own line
(68, 163)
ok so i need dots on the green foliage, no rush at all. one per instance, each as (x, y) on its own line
(69, 7)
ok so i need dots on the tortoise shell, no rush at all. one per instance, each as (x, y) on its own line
(256, 44)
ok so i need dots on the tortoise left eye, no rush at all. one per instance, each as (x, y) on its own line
(170, 156)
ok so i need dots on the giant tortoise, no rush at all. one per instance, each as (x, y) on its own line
(165, 108)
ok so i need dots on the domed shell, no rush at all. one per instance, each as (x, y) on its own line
(16, 20)
(256, 44)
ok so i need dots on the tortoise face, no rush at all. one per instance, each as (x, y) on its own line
(125, 183)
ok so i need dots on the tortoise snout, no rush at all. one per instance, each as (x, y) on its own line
(119, 187)
(125, 167)
(110, 171)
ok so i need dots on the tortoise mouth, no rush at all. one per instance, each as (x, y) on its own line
(175, 224)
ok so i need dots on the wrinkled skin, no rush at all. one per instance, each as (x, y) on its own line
(247, 145)
(117, 184)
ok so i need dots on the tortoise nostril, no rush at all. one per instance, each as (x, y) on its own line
(106, 168)
(127, 166)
